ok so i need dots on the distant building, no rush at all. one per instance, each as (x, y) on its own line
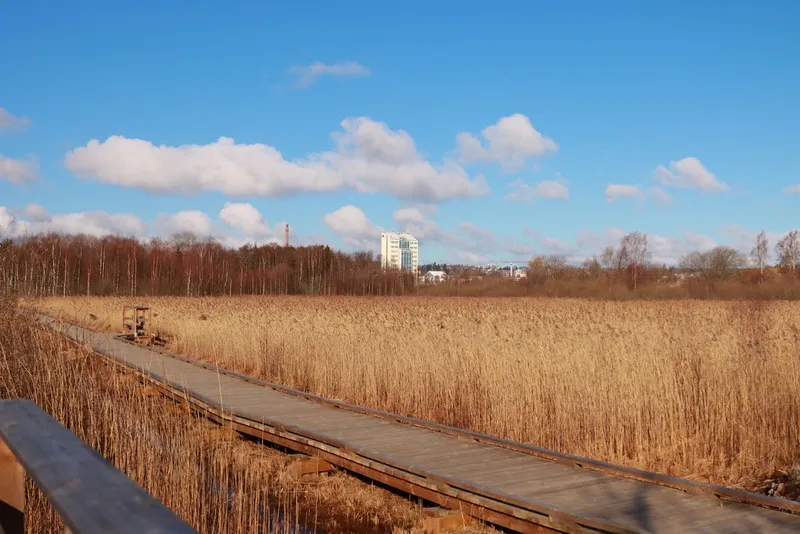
(434, 277)
(399, 250)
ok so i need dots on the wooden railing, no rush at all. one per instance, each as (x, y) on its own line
(89, 494)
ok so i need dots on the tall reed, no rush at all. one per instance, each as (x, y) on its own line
(708, 390)
(211, 479)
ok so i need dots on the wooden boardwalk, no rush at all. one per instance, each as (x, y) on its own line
(519, 490)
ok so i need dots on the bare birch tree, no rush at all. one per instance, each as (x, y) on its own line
(608, 258)
(788, 250)
(759, 253)
(633, 252)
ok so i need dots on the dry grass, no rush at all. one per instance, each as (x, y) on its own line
(708, 390)
(208, 476)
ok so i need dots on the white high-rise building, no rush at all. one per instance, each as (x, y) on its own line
(399, 250)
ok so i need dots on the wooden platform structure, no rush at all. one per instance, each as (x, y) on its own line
(90, 494)
(519, 487)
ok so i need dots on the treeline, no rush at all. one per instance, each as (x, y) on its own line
(552, 277)
(626, 272)
(56, 264)
(66, 265)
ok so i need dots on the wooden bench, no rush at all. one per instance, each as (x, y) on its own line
(89, 493)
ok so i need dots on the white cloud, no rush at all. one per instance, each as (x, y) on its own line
(548, 245)
(350, 220)
(307, 75)
(369, 158)
(244, 225)
(35, 212)
(96, 223)
(18, 171)
(11, 123)
(591, 242)
(511, 141)
(523, 192)
(517, 251)
(659, 195)
(34, 220)
(427, 209)
(689, 173)
(417, 223)
(372, 158)
(468, 241)
(192, 221)
(470, 148)
(482, 235)
(792, 190)
(352, 225)
(615, 191)
(221, 166)
(7, 223)
(472, 258)
(421, 226)
(245, 218)
(367, 140)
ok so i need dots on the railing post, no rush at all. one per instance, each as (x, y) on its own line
(12, 492)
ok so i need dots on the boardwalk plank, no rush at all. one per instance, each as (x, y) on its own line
(532, 481)
(514, 471)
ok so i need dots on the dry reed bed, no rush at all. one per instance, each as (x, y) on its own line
(213, 480)
(708, 390)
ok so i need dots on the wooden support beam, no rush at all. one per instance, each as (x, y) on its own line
(12, 492)
(150, 391)
(178, 405)
(179, 408)
(221, 433)
(440, 520)
(308, 465)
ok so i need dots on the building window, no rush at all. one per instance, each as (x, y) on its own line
(406, 262)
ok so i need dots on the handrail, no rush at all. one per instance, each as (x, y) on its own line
(89, 493)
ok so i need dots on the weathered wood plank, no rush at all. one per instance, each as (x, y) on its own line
(625, 500)
(527, 481)
(506, 472)
(308, 465)
(90, 495)
(402, 445)
(417, 443)
(542, 486)
(439, 520)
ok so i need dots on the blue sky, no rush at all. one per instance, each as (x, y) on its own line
(492, 133)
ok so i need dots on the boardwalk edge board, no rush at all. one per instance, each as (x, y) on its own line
(489, 505)
(722, 493)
